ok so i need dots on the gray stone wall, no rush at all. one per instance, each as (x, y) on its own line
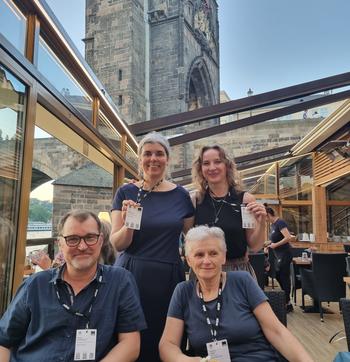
(115, 42)
(66, 198)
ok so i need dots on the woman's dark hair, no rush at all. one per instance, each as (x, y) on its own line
(269, 210)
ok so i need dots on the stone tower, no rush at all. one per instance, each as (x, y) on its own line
(155, 57)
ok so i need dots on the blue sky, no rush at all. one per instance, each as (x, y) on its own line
(264, 44)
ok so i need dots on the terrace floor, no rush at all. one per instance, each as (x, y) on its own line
(314, 334)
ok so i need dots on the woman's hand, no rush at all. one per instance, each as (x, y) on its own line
(258, 210)
(125, 205)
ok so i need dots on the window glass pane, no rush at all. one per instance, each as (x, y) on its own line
(108, 131)
(296, 177)
(12, 119)
(339, 223)
(298, 218)
(339, 190)
(63, 81)
(131, 157)
(13, 24)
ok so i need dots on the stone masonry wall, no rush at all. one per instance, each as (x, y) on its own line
(66, 198)
(115, 42)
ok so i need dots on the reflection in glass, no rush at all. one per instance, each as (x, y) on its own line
(63, 81)
(338, 220)
(13, 24)
(107, 130)
(12, 119)
(131, 157)
(298, 218)
(296, 177)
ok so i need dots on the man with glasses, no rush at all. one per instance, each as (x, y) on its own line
(82, 311)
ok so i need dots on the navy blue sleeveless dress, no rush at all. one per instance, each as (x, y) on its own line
(153, 257)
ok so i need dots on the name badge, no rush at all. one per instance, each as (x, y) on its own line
(248, 219)
(85, 344)
(133, 217)
(218, 351)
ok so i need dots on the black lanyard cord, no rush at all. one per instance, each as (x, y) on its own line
(147, 192)
(213, 328)
(70, 310)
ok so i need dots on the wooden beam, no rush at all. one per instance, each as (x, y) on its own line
(243, 104)
(32, 41)
(259, 118)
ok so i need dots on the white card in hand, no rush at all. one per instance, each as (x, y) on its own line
(248, 219)
(133, 217)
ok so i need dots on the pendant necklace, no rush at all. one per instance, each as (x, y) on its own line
(217, 212)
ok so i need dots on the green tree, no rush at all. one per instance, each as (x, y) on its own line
(40, 210)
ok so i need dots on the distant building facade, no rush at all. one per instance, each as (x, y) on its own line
(155, 57)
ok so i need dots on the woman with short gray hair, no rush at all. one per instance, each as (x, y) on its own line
(223, 313)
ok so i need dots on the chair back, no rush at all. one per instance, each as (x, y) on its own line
(257, 261)
(346, 248)
(345, 307)
(329, 270)
(277, 300)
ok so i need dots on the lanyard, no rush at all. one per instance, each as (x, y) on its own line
(139, 198)
(70, 310)
(213, 328)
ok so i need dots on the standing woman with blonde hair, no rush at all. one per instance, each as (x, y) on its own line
(151, 250)
(218, 202)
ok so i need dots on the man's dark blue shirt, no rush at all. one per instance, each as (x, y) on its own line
(36, 327)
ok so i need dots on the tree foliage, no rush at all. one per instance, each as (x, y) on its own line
(40, 210)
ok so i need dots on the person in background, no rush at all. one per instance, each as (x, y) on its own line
(218, 202)
(151, 250)
(279, 243)
(108, 254)
(82, 310)
(226, 309)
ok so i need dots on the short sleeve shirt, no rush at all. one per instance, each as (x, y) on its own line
(241, 295)
(161, 224)
(276, 235)
(37, 327)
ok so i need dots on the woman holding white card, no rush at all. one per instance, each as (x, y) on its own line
(226, 316)
(221, 202)
(148, 234)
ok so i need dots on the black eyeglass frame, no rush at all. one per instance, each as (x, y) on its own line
(80, 238)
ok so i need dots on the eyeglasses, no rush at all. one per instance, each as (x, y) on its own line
(74, 240)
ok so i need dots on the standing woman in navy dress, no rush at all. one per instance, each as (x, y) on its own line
(151, 254)
(218, 202)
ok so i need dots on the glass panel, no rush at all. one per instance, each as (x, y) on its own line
(13, 24)
(108, 131)
(296, 177)
(131, 157)
(338, 221)
(50, 66)
(266, 184)
(339, 190)
(298, 218)
(12, 119)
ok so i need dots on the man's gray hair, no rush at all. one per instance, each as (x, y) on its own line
(154, 137)
(203, 232)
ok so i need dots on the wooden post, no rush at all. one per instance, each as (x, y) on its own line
(319, 214)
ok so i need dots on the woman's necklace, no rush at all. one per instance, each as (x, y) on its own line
(214, 202)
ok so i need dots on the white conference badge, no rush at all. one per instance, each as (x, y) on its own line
(218, 351)
(85, 345)
(248, 219)
(133, 217)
